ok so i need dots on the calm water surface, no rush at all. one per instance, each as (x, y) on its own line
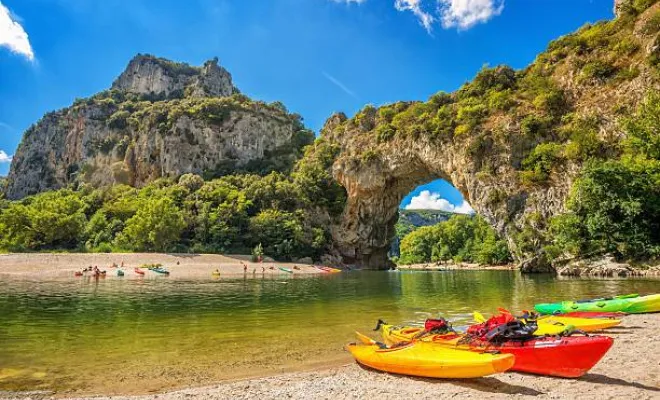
(126, 336)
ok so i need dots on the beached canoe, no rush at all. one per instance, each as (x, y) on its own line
(584, 324)
(287, 270)
(160, 271)
(592, 314)
(139, 271)
(631, 304)
(330, 270)
(429, 360)
(561, 356)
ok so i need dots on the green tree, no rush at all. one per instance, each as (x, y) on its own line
(156, 225)
(279, 232)
(45, 221)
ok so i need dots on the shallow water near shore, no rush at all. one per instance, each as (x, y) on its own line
(137, 336)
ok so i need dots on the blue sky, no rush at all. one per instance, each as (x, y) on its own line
(316, 56)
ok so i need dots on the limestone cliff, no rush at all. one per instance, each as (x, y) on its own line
(511, 141)
(159, 119)
(158, 77)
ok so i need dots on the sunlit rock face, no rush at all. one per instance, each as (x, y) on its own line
(149, 75)
(159, 119)
(619, 6)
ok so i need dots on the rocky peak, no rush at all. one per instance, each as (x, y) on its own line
(618, 6)
(152, 76)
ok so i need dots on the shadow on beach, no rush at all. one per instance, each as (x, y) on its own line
(604, 379)
(488, 385)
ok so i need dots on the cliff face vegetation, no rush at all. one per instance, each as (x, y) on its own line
(513, 142)
(159, 119)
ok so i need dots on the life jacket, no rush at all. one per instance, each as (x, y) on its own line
(503, 327)
(437, 326)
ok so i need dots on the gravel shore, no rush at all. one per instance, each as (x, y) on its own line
(181, 266)
(631, 369)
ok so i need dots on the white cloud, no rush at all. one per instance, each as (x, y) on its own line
(464, 208)
(461, 14)
(432, 201)
(415, 6)
(464, 14)
(4, 157)
(13, 36)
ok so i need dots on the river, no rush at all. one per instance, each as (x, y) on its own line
(137, 336)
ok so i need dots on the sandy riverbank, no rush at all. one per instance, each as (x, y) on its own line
(181, 266)
(631, 369)
(455, 267)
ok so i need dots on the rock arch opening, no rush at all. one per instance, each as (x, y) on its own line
(427, 205)
(377, 186)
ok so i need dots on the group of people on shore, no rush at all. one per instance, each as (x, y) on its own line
(95, 271)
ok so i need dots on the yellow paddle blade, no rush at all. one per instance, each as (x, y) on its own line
(364, 339)
(478, 317)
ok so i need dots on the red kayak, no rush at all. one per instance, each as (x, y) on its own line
(593, 314)
(139, 271)
(566, 357)
(562, 356)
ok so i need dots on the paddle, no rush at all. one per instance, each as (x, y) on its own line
(478, 317)
(364, 339)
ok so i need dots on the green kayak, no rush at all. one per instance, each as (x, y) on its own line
(286, 270)
(631, 304)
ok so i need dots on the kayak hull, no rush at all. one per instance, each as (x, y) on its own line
(626, 304)
(565, 357)
(583, 324)
(593, 314)
(160, 271)
(430, 361)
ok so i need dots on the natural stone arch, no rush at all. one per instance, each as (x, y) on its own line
(377, 183)
(478, 138)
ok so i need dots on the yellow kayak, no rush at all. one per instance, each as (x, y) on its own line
(431, 361)
(552, 325)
